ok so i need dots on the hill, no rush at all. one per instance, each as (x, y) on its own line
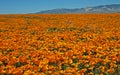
(113, 8)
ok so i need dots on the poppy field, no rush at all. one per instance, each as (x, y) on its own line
(60, 44)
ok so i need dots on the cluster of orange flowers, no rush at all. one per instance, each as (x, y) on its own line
(62, 44)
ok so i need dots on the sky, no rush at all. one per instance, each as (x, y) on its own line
(32, 6)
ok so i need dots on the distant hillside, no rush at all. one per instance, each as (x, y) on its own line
(113, 8)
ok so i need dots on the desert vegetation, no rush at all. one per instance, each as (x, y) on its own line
(60, 44)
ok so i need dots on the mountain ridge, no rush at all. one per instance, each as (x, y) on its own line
(113, 8)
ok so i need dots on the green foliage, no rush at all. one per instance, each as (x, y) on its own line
(99, 64)
(113, 38)
(19, 64)
(85, 53)
(75, 60)
(5, 74)
(60, 29)
(53, 63)
(81, 39)
(96, 71)
(81, 66)
(64, 66)
(117, 71)
(93, 52)
(40, 70)
(87, 71)
(4, 63)
(3, 30)
(108, 65)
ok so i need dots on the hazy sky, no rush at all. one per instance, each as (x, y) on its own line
(30, 6)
